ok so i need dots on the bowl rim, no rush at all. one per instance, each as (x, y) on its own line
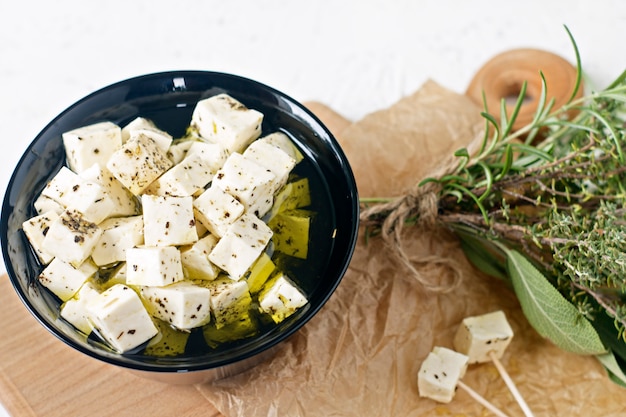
(119, 359)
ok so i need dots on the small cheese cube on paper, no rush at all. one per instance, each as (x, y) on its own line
(168, 220)
(183, 304)
(120, 318)
(141, 125)
(273, 158)
(138, 163)
(91, 144)
(252, 184)
(230, 301)
(35, 230)
(124, 203)
(217, 210)
(71, 238)
(118, 235)
(75, 311)
(223, 119)
(153, 266)
(241, 245)
(281, 298)
(440, 373)
(480, 336)
(195, 259)
(63, 279)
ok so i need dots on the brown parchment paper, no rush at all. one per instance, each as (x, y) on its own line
(360, 355)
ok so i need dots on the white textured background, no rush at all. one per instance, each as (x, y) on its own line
(356, 56)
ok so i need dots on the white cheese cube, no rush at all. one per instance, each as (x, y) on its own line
(480, 336)
(141, 125)
(230, 300)
(44, 204)
(178, 150)
(183, 304)
(35, 230)
(119, 317)
(63, 279)
(244, 241)
(195, 259)
(91, 144)
(153, 266)
(117, 276)
(217, 210)
(74, 192)
(124, 203)
(273, 158)
(440, 373)
(71, 238)
(138, 163)
(74, 310)
(224, 120)
(186, 178)
(252, 184)
(213, 154)
(281, 298)
(168, 220)
(118, 235)
(282, 141)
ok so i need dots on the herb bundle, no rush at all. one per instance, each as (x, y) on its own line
(542, 207)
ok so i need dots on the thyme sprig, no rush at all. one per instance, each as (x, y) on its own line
(542, 207)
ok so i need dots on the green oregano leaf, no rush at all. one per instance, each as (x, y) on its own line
(552, 316)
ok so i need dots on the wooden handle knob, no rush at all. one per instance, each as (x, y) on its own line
(502, 77)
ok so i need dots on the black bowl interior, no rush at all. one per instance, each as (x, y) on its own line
(168, 99)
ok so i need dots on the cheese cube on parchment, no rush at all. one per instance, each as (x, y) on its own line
(74, 310)
(118, 234)
(183, 304)
(223, 119)
(124, 203)
(281, 298)
(91, 144)
(63, 279)
(158, 266)
(440, 373)
(252, 184)
(244, 241)
(138, 163)
(168, 220)
(35, 230)
(195, 259)
(148, 128)
(273, 158)
(217, 210)
(230, 300)
(71, 238)
(480, 336)
(119, 317)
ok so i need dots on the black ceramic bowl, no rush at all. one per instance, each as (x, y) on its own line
(168, 99)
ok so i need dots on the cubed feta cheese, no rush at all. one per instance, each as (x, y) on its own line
(71, 238)
(273, 158)
(244, 241)
(252, 184)
(183, 304)
(186, 178)
(223, 119)
(118, 235)
(481, 336)
(195, 259)
(74, 310)
(282, 141)
(120, 318)
(124, 203)
(91, 144)
(62, 181)
(178, 150)
(45, 204)
(35, 230)
(138, 163)
(63, 279)
(217, 210)
(214, 155)
(440, 373)
(230, 300)
(147, 127)
(153, 266)
(168, 220)
(281, 298)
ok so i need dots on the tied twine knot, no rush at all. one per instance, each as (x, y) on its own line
(419, 206)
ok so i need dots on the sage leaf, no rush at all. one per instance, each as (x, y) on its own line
(552, 316)
(609, 362)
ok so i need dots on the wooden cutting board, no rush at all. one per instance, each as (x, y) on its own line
(41, 376)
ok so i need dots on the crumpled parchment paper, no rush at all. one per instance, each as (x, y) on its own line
(360, 355)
